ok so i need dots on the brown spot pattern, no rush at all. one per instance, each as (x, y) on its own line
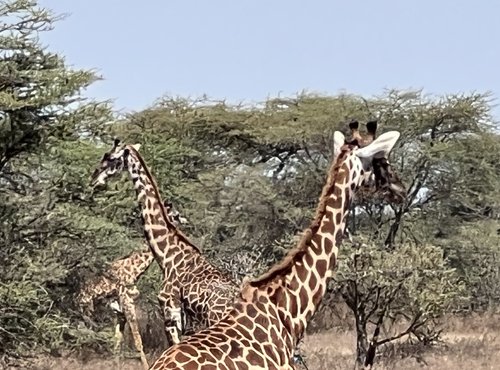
(302, 287)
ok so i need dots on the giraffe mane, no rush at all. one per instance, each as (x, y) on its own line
(177, 231)
(288, 261)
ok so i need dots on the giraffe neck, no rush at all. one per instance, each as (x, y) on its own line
(126, 270)
(297, 285)
(130, 268)
(163, 236)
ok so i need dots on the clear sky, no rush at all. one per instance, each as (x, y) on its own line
(246, 50)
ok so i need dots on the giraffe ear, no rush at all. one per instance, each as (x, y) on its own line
(338, 142)
(136, 146)
(380, 147)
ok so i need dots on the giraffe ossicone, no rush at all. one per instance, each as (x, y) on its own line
(273, 310)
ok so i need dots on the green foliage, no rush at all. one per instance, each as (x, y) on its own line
(475, 252)
(250, 176)
(402, 291)
(46, 226)
(247, 178)
(416, 275)
(36, 88)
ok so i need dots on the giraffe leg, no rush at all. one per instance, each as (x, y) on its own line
(127, 302)
(118, 344)
(134, 328)
(297, 356)
(172, 313)
(173, 323)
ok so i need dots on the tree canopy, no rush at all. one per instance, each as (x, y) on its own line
(248, 178)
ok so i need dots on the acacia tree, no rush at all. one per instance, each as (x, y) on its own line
(42, 116)
(255, 173)
(407, 287)
(404, 275)
(247, 178)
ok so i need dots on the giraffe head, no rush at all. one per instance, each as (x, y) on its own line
(112, 163)
(371, 155)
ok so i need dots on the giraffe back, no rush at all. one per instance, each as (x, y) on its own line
(123, 272)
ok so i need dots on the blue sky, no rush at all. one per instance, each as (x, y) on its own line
(249, 50)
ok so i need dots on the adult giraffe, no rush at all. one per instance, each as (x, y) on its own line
(192, 286)
(118, 281)
(272, 312)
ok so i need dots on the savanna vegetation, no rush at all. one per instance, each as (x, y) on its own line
(247, 177)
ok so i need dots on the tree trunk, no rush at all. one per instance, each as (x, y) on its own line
(391, 236)
(361, 341)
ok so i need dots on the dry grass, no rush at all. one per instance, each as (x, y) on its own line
(470, 343)
(473, 342)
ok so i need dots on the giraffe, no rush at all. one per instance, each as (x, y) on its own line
(118, 281)
(272, 311)
(192, 288)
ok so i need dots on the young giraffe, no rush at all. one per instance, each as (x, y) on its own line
(272, 312)
(192, 286)
(118, 281)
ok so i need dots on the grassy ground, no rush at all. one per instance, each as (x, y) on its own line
(470, 343)
(469, 349)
